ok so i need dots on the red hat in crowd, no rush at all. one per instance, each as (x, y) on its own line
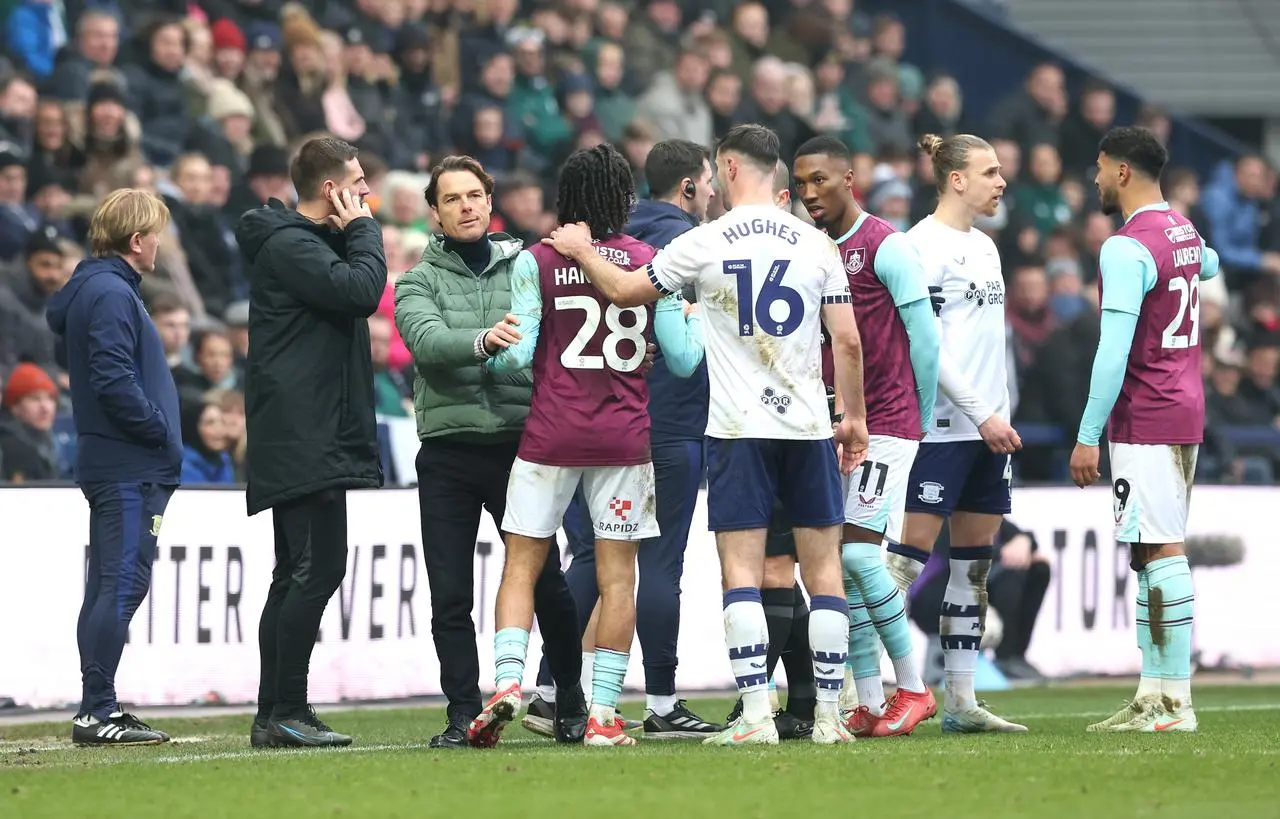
(26, 379)
(226, 34)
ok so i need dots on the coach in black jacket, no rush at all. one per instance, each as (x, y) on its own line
(315, 276)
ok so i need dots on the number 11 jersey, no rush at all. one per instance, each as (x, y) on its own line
(762, 276)
(590, 404)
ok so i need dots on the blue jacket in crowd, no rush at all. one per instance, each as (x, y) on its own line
(122, 394)
(677, 406)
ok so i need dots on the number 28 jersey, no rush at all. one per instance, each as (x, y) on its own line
(590, 404)
(761, 277)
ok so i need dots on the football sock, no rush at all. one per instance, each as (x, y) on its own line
(778, 610)
(828, 638)
(905, 564)
(588, 671)
(864, 650)
(1170, 605)
(510, 646)
(746, 633)
(547, 693)
(797, 658)
(964, 605)
(886, 606)
(606, 682)
(660, 704)
(1149, 683)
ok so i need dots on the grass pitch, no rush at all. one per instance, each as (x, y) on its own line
(1228, 769)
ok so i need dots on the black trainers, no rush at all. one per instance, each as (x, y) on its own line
(305, 732)
(117, 729)
(570, 716)
(681, 723)
(260, 734)
(792, 727)
(453, 737)
(540, 717)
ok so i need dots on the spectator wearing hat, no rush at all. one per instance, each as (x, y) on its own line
(49, 191)
(156, 91)
(230, 47)
(24, 295)
(28, 451)
(267, 178)
(93, 52)
(232, 114)
(112, 148)
(258, 81)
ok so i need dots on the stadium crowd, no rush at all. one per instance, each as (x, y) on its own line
(204, 100)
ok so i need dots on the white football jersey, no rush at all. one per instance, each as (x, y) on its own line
(761, 276)
(966, 265)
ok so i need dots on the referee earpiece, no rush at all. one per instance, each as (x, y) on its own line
(689, 189)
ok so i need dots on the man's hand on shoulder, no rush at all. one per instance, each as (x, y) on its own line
(571, 241)
(347, 209)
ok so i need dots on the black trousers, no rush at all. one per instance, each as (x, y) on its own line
(1018, 594)
(311, 561)
(456, 481)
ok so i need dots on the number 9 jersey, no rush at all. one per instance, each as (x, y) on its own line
(762, 276)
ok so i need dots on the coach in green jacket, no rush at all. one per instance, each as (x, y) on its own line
(450, 309)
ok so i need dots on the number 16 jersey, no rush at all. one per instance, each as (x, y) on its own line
(762, 276)
(590, 404)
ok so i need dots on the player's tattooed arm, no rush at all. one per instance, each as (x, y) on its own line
(625, 288)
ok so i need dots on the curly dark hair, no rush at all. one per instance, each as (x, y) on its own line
(596, 187)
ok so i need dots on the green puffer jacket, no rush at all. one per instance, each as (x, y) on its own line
(441, 306)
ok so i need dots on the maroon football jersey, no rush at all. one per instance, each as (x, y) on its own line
(590, 402)
(1162, 398)
(889, 379)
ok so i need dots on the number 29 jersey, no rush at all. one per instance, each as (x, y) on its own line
(761, 277)
(590, 404)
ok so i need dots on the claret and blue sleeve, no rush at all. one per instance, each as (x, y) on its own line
(899, 267)
(679, 338)
(526, 304)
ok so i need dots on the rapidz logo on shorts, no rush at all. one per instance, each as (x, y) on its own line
(931, 492)
(620, 508)
(771, 398)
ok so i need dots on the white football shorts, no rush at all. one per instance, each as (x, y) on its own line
(621, 499)
(1151, 491)
(876, 492)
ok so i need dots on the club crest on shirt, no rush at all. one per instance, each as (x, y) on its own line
(854, 260)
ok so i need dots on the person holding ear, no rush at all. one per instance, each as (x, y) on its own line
(316, 274)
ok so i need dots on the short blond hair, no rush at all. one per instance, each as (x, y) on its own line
(122, 214)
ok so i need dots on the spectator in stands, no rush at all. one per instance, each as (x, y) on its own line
(889, 42)
(768, 105)
(724, 97)
(109, 141)
(1017, 584)
(1033, 115)
(1234, 203)
(943, 109)
(236, 323)
(204, 435)
(614, 105)
(94, 52)
(469, 423)
(519, 206)
(1028, 312)
(129, 443)
(497, 78)
(888, 126)
(25, 294)
(27, 449)
(652, 40)
(213, 364)
(1040, 196)
(1084, 128)
(533, 98)
(392, 391)
(317, 273)
(674, 102)
(17, 111)
(156, 92)
(17, 218)
(231, 402)
(173, 322)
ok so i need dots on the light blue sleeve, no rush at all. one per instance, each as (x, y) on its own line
(680, 339)
(526, 303)
(1128, 274)
(899, 267)
(1209, 262)
(925, 339)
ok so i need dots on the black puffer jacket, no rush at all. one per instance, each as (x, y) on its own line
(309, 385)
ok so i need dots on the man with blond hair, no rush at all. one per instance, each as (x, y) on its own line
(129, 450)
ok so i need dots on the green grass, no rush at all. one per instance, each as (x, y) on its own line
(1228, 769)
